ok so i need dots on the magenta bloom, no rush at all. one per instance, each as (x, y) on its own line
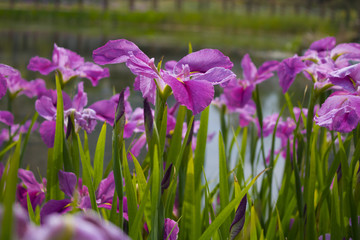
(288, 69)
(325, 44)
(340, 112)
(70, 64)
(84, 118)
(71, 186)
(347, 78)
(322, 58)
(30, 186)
(239, 92)
(11, 79)
(171, 229)
(15, 129)
(191, 79)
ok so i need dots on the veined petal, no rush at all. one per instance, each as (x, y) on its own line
(65, 58)
(171, 229)
(45, 107)
(169, 65)
(249, 68)
(203, 60)
(348, 78)
(239, 95)
(93, 72)
(80, 99)
(339, 112)
(105, 191)
(7, 118)
(47, 132)
(67, 182)
(216, 75)
(288, 69)
(349, 50)
(54, 206)
(35, 88)
(105, 110)
(29, 180)
(114, 51)
(195, 95)
(147, 87)
(140, 64)
(265, 71)
(41, 65)
(325, 44)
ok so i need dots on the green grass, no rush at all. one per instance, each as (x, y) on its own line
(260, 31)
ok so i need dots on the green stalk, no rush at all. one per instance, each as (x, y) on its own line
(117, 154)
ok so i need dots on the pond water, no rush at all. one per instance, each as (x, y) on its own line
(17, 47)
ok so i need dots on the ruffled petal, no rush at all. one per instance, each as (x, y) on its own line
(114, 51)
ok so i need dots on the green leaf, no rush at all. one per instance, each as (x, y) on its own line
(310, 221)
(129, 188)
(30, 209)
(162, 136)
(182, 149)
(224, 185)
(7, 148)
(290, 106)
(142, 189)
(99, 156)
(225, 213)
(136, 227)
(10, 192)
(57, 159)
(87, 176)
(27, 136)
(335, 226)
(253, 219)
(155, 196)
(199, 158)
(281, 232)
(176, 138)
(188, 225)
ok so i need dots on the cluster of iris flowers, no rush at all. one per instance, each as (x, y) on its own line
(168, 195)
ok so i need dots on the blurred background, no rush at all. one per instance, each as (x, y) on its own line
(267, 29)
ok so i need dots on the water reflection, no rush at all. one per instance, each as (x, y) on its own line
(16, 49)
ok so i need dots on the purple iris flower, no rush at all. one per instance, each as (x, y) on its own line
(15, 129)
(171, 229)
(246, 112)
(239, 92)
(347, 78)
(74, 189)
(288, 69)
(284, 131)
(191, 79)
(340, 112)
(70, 64)
(322, 58)
(11, 79)
(325, 44)
(76, 226)
(30, 186)
(193, 86)
(84, 118)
